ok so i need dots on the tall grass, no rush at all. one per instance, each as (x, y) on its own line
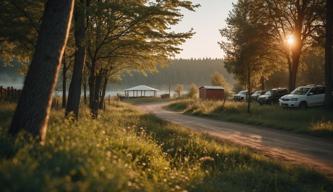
(125, 150)
(314, 121)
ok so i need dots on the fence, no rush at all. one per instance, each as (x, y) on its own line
(9, 94)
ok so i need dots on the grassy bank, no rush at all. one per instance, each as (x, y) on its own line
(313, 121)
(125, 150)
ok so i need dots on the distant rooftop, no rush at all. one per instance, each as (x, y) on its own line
(141, 88)
(212, 87)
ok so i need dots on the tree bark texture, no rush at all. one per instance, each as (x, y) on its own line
(33, 109)
(103, 93)
(96, 96)
(64, 83)
(85, 89)
(74, 94)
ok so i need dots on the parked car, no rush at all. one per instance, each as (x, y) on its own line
(272, 96)
(304, 96)
(241, 96)
(256, 94)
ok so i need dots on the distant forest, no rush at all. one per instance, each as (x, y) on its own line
(178, 71)
(187, 71)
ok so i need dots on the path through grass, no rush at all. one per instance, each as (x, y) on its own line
(126, 150)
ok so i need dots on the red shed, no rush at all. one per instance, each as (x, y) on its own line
(211, 92)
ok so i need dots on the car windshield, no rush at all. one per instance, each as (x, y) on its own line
(301, 91)
(268, 93)
(242, 92)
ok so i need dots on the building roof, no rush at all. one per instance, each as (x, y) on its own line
(212, 87)
(141, 88)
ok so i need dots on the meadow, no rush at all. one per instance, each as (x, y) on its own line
(313, 121)
(126, 150)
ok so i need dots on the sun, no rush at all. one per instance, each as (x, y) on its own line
(291, 40)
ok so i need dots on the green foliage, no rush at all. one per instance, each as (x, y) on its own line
(134, 35)
(246, 45)
(128, 151)
(316, 121)
(19, 21)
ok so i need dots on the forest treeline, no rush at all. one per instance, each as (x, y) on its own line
(178, 71)
(187, 71)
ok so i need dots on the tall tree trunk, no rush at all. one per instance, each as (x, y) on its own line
(296, 51)
(33, 109)
(74, 94)
(249, 88)
(85, 89)
(294, 68)
(64, 83)
(290, 74)
(329, 55)
(101, 102)
(92, 79)
(96, 96)
(262, 82)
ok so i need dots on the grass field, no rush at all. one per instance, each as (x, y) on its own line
(125, 150)
(313, 121)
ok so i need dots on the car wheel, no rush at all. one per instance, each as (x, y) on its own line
(303, 105)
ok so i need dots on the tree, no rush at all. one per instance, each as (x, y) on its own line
(245, 46)
(296, 25)
(329, 54)
(217, 79)
(193, 93)
(179, 89)
(130, 35)
(74, 94)
(33, 109)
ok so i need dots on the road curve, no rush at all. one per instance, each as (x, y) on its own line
(313, 152)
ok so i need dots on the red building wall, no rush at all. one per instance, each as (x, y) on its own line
(211, 94)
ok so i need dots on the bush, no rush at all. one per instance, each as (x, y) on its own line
(193, 92)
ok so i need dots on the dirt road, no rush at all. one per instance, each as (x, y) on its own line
(305, 150)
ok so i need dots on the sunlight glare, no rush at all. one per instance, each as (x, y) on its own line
(290, 40)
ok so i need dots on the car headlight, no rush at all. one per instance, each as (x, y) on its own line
(293, 99)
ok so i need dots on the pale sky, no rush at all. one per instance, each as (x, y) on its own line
(206, 22)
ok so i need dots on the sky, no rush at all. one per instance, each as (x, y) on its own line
(206, 22)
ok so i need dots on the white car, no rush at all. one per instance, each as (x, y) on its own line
(305, 96)
(256, 94)
(241, 96)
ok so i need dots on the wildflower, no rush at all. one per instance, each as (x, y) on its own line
(206, 158)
